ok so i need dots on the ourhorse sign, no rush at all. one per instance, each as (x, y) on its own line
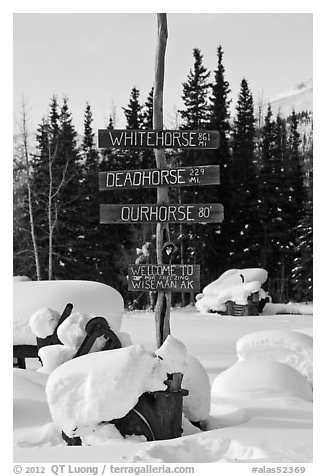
(171, 213)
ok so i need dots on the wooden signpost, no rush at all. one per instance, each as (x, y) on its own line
(157, 139)
(146, 178)
(165, 276)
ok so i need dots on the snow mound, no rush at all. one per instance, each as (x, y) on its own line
(233, 277)
(200, 449)
(101, 386)
(28, 385)
(44, 435)
(71, 331)
(54, 355)
(288, 308)
(210, 303)
(233, 285)
(30, 408)
(261, 379)
(197, 404)
(95, 299)
(305, 330)
(188, 428)
(124, 338)
(224, 414)
(289, 347)
(43, 322)
(101, 434)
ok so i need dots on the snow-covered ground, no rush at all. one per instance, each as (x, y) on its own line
(261, 408)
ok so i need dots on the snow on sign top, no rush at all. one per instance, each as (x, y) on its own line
(156, 139)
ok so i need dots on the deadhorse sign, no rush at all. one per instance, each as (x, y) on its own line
(155, 139)
(145, 178)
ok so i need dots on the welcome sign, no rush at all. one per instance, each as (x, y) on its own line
(156, 277)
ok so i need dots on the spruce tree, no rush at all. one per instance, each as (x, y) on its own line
(98, 243)
(244, 216)
(275, 240)
(268, 192)
(56, 178)
(128, 236)
(284, 228)
(219, 102)
(133, 111)
(68, 205)
(294, 165)
(147, 116)
(23, 260)
(147, 155)
(216, 250)
(134, 119)
(139, 117)
(90, 236)
(297, 205)
(117, 241)
(195, 116)
(194, 96)
(147, 159)
(302, 270)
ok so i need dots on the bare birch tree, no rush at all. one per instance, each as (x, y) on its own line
(24, 157)
(52, 205)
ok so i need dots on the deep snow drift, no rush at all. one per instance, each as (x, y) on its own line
(259, 408)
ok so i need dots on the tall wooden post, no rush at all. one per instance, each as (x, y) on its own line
(163, 304)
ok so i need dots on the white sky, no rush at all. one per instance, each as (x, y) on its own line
(99, 57)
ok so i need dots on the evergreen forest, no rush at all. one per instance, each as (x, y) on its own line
(266, 190)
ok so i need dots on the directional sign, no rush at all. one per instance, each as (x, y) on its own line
(154, 139)
(145, 178)
(164, 277)
(187, 213)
